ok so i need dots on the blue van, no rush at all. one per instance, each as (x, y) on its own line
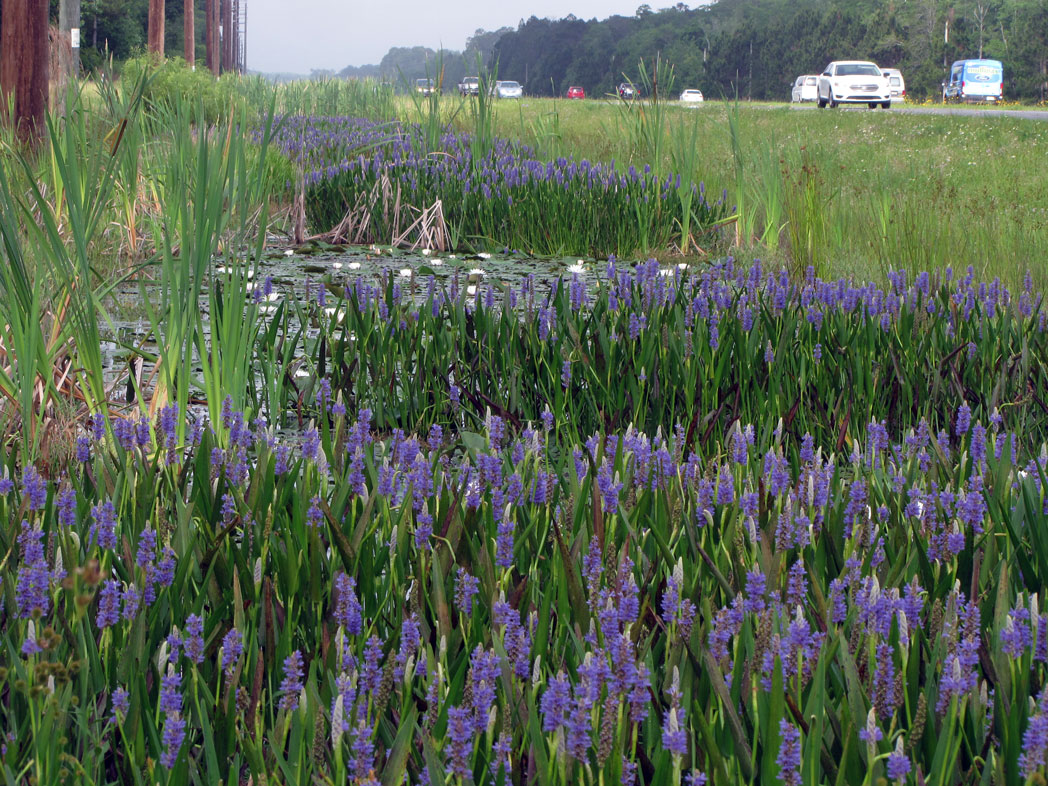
(974, 80)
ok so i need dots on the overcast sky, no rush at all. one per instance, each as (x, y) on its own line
(295, 37)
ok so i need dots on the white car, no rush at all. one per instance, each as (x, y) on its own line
(509, 89)
(897, 84)
(692, 97)
(853, 82)
(806, 88)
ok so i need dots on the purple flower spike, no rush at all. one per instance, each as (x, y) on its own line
(291, 686)
(789, 758)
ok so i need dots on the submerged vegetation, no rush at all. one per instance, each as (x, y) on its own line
(694, 521)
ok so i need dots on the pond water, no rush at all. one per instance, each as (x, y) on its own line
(293, 272)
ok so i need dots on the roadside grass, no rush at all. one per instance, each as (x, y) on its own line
(897, 190)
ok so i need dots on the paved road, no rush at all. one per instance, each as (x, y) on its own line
(1031, 114)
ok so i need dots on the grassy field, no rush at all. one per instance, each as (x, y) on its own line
(856, 192)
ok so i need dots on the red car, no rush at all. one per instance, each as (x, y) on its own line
(576, 92)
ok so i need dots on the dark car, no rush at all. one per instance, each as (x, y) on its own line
(576, 92)
(626, 90)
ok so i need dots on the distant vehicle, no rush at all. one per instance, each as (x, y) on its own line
(469, 86)
(805, 88)
(626, 90)
(508, 89)
(692, 97)
(974, 80)
(897, 84)
(853, 82)
(425, 86)
(576, 92)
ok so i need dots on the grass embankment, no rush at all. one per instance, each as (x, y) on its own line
(855, 191)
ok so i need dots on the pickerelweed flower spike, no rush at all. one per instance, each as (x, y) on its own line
(291, 686)
(789, 758)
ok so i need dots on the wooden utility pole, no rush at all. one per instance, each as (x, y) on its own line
(156, 27)
(24, 65)
(69, 26)
(242, 35)
(234, 39)
(189, 29)
(213, 57)
(227, 35)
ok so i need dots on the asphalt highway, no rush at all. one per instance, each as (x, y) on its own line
(1031, 114)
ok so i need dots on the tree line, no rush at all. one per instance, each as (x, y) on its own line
(750, 48)
(756, 48)
(120, 28)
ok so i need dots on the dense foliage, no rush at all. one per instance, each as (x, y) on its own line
(756, 48)
(118, 28)
(485, 598)
(490, 192)
(645, 524)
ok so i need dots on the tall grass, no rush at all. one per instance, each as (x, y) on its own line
(209, 204)
(957, 201)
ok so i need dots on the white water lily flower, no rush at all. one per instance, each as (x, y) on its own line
(406, 272)
(354, 265)
(435, 261)
(336, 265)
(682, 266)
(476, 271)
(301, 372)
(484, 255)
(228, 271)
(576, 268)
(288, 252)
(471, 290)
(427, 251)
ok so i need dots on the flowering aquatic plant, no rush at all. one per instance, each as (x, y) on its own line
(503, 196)
(521, 583)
